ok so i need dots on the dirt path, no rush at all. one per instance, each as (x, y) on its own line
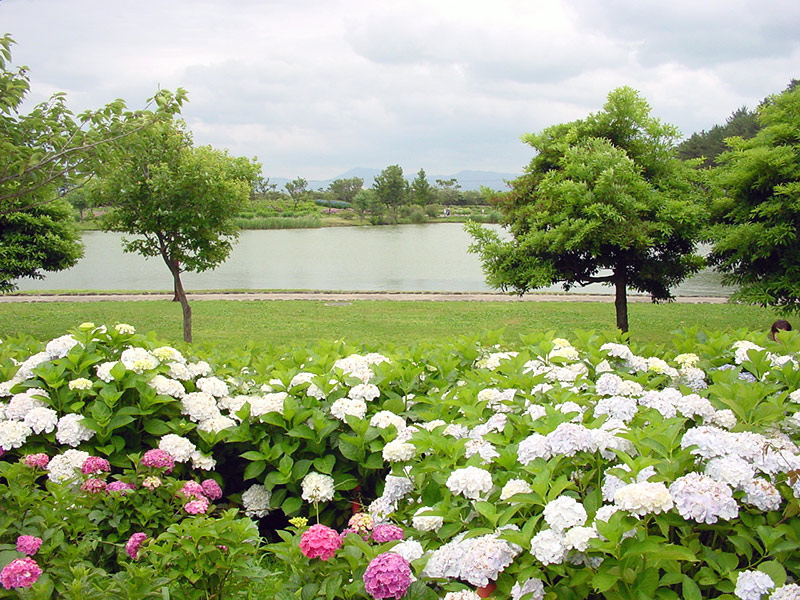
(350, 296)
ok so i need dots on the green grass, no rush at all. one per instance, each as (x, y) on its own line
(232, 323)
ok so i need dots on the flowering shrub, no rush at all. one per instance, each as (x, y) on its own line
(549, 468)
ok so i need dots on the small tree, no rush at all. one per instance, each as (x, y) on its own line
(179, 200)
(756, 241)
(297, 190)
(345, 190)
(603, 201)
(421, 189)
(391, 188)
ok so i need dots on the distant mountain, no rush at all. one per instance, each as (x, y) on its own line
(468, 179)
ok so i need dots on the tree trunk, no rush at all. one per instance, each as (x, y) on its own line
(180, 295)
(621, 299)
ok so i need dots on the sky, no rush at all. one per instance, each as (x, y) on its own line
(313, 88)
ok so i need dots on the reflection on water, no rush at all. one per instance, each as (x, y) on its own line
(394, 258)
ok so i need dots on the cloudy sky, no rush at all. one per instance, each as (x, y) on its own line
(316, 87)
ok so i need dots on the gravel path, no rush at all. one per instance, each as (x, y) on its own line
(351, 296)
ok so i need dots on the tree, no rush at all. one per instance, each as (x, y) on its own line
(756, 211)
(709, 144)
(297, 190)
(179, 200)
(391, 188)
(604, 200)
(345, 190)
(421, 190)
(43, 155)
(447, 191)
(47, 152)
(41, 238)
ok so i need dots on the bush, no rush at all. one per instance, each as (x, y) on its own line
(580, 469)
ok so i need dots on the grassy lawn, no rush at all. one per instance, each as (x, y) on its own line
(373, 322)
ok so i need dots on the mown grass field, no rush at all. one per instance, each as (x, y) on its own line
(373, 322)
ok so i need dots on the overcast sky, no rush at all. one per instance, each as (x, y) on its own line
(316, 87)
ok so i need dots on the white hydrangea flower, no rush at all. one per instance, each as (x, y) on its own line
(762, 494)
(424, 522)
(255, 500)
(71, 432)
(532, 586)
(513, 487)
(199, 406)
(732, 470)
(80, 384)
(41, 419)
(790, 591)
(216, 423)
(21, 404)
(617, 407)
(398, 451)
(485, 557)
(457, 431)
(67, 466)
(643, 498)
(702, 499)
(167, 386)
(179, 447)
(481, 447)
(13, 434)
(431, 425)
(741, 350)
(693, 404)
(396, 488)
(687, 360)
(724, 418)
(103, 371)
(138, 360)
(470, 482)
(577, 538)
(385, 418)
(168, 354)
(317, 487)
(202, 462)
(536, 411)
(564, 513)
(214, 386)
(270, 402)
(198, 369)
(565, 352)
(179, 371)
(124, 329)
(364, 391)
(532, 447)
(549, 547)
(751, 585)
(25, 370)
(569, 439)
(61, 346)
(409, 549)
(344, 407)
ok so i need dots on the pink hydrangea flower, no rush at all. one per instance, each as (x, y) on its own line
(36, 461)
(19, 573)
(387, 576)
(192, 489)
(134, 543)
(158, 459)
(198, 506)
(120, 486)
(94, 465)
(361, 522)
(320, 541)
(94, 486)
(28, 544)
(211, 489)
(387, 533)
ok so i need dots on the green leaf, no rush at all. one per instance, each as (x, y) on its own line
(775, 570)
(291, 505)
(690, 589)
(254, 469)
(325, 464)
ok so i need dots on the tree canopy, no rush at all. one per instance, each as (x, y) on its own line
(391, 188)
(604, 200)
(179, 200)
(756, 210)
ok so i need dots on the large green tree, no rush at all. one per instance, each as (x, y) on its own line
(605, 200)
(178, 200)
(391, 188)
(345, 190)
(421, 189)
(756, 235)
(44, 154)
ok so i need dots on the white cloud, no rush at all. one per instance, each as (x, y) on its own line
(316, 87)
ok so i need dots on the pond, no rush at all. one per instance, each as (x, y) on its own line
(431, 257)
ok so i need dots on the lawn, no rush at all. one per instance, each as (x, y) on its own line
(373, 322)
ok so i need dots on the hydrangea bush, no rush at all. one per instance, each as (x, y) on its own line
(549, 468)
